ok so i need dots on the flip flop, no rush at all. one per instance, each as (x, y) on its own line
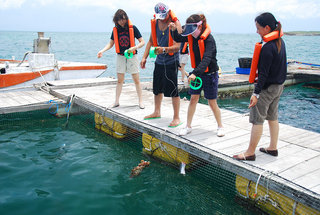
(152, 118)
(175, 125)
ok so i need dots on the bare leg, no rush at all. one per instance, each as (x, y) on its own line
(157, 107)
(256, 133)
(216, 111)
(183, 71)
(119, 88)
(274, 134)
(192, 108)
(136, 80)
(176, 108)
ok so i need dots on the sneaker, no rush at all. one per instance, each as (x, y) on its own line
(181, 83)
(185, 131)
(220, 132)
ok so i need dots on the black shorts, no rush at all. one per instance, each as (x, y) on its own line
(209, 86)
(165, 79)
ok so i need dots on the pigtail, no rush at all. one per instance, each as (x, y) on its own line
(204, 22)
(278, 41)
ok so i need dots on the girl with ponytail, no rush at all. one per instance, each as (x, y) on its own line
(272, 72)
(202, 48)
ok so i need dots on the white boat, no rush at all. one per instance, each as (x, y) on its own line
(42, 66)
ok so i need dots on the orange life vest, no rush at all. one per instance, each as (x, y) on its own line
(256, 54)
(131, 37)
(203, 37)
(154, 30)
(184, 48)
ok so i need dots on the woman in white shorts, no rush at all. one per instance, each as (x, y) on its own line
(123, 40)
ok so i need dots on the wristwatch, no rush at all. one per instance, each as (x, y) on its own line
(163, 50)
(256, 95)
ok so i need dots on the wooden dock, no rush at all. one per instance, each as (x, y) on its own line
(295, 172)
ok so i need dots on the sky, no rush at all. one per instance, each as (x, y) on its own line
(224, 16)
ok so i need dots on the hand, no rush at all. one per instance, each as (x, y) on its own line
(158, 50)
(253, 101)
(132, 49)
(99, 55)
(191, 77)
(143, 63)
(172, 26)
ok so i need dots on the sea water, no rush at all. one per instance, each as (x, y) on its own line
(46, 168)
(84, 47)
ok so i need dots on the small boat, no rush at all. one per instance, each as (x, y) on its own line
(42, 66)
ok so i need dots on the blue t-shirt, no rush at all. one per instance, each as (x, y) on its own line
(124, 39)
(163, 41)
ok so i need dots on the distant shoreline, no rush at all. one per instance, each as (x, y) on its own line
(302, 33)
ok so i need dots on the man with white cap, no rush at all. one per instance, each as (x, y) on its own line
(165, 74)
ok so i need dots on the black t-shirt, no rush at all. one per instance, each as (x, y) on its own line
(209, 59)
(272, 66)
(124, 39)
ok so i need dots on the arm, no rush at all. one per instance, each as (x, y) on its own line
(106, 48)
(176, 33)
(137, 35)
(146, 53)
(171, 49)
(140, 45)
(264, 65)
(210, 48)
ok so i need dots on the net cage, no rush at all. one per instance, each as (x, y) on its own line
(213, 178)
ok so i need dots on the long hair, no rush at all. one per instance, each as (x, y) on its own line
(194, 18)
(265, 19)
(120, 14)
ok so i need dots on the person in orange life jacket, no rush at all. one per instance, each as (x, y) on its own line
(183, 60)
(272, 72)
(195, 28)
(165, 74)
(125, 42)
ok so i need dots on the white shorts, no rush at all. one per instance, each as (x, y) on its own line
(183, 58)
(130, 66)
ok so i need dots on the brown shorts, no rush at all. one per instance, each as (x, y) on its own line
(267, 105)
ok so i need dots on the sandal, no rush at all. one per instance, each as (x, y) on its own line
(248, 158)
(269, 152)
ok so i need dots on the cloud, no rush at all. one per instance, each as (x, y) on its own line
(284, 8)
(6, 4)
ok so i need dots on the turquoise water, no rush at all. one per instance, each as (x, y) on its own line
(299, 106)
(46, 168)
(84, 47)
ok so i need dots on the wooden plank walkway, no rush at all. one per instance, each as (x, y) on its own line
(299, 150)
(22, 101)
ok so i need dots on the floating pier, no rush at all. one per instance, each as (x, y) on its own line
(293, 175)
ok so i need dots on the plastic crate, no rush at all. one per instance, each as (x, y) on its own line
(245, 62)
(243, 71)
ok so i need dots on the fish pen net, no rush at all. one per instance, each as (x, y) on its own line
(190, 184)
